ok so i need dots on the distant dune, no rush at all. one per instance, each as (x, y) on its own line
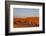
(26, 22)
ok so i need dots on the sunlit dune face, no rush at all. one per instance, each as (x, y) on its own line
(26, 22)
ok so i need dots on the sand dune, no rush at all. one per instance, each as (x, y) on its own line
(26, 22)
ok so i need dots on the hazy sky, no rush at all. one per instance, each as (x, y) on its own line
(25, 12)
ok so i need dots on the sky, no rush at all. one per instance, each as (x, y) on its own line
(25, 12)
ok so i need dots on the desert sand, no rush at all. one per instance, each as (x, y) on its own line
(26, 22)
